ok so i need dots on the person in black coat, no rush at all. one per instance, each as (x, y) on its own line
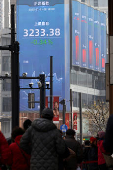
(108, 141)
(93, 154)
(44, 142)
(72, 163)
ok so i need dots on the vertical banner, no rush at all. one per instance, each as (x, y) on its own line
(46, 102)
(67, 119)
(76, 29)
(84, 35)
(103, 41)
(90, 37)
(56, 109)
(75, 121)
(96, 40)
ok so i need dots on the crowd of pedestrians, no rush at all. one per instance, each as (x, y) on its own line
(39, 145)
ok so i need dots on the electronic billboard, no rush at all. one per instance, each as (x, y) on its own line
(88, 37)
(42, 29)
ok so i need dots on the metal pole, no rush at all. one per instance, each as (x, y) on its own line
(64, 110)
(110, 39)
(80, 110)
(51, 82)
(12, 24)
(15, 86)
(42, 93)
(71, 99)
(14, 72)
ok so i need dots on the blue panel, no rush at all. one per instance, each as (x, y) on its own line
(76, 33)
(84, 35)
(41, 34)
(103, 41)
(90, 38)
(97, 39)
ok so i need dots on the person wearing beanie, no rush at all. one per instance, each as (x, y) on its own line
(44, 142)
(101, 160)
(93, 154)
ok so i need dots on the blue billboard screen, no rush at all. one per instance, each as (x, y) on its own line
(41, 34)
(90, 37)
(76, 33)
(96, 40)
(103, 41)
(84, 35)
(88, 46)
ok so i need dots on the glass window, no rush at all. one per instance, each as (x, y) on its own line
(89, 80)
(6, 127)
(6, 104)
(6, 85)
(6, 63)
(95, 3)
(82, 79)
(90, 99)
(74, 78)
(82, 0)
(74, 99)
(84, 99)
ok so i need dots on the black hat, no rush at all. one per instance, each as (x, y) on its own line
(47, 113)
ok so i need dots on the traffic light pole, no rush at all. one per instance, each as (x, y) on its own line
(14, 72)
(51, 82)
(42, 93)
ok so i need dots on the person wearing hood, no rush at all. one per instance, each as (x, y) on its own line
(44, 142)
(101, 160)
(20, 160)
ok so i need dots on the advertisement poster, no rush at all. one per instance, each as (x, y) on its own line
(103, 41)
(97, 45)
(67, 119)
(84, 35)
(76, 32)
(75, 121)
(90, 37)
(56, 109)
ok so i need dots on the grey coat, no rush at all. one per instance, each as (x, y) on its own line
(44, 142)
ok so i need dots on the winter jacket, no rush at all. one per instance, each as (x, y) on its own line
(93, 156)
(5, 153)
(45, 143)
(101, 159)
(18, 160)
(108, 142)
(71, 164)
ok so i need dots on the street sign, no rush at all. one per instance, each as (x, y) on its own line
(63, 128)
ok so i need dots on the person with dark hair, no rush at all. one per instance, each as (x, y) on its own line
(27, 123)
(93, 154)
(46, 142)
(71, 143)
(20, 160)
(86, 148)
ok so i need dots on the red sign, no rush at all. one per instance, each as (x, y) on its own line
(75, 121)
(56, 109)
(97, 56)
(46, 102)
(67, 119)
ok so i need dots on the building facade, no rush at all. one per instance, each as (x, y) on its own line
(82, 80)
